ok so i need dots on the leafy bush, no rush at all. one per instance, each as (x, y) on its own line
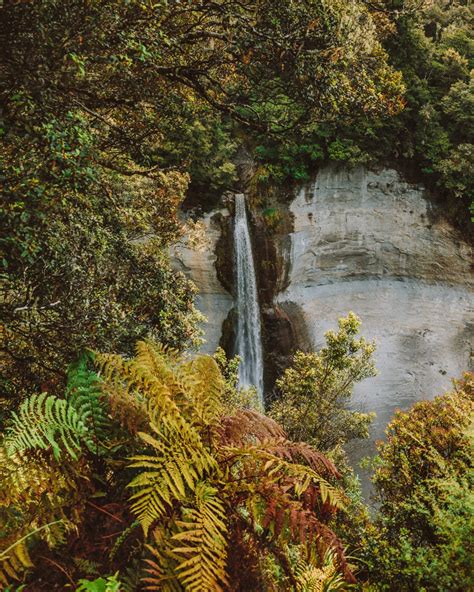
(313, 393)
(422, 538)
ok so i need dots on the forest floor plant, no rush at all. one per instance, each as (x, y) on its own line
(156, 430)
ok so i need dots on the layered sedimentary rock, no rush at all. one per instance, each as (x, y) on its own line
(196, 257)
(368, 242)
(363, 241)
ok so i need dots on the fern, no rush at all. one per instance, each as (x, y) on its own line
(199, 468)
(180, 457)
(311, 577)
(86, 566)
(122, 538)
(13, 561)
(197, 553)
(44, 421)
(180, 461)
(131, 578)
(38, 490)
(202, 542)
(161, 566)
(84, 394)
(205, 392)
(273, 468)
(15, 558)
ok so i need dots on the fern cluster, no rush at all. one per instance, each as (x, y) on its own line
(207, 478)
(203, 473)
(44, 468)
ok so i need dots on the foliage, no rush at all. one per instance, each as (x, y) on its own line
(203, 475)
(323, 578)
(422, 539)
(434, 50)
(84, 394)
(314, 392)
(206, 474)
(45, 422)
(81, 266)
(429, 132)
(14, 558)
(111, 584)
(111, 112)
(234, 397)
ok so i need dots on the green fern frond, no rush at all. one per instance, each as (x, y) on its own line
(85, 394)
(107, 584)
(122, 538)
(44, 421)
(86, 566)
(131, 578)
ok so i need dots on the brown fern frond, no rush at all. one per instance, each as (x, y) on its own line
(274, 468)
(127, 407)
(248, 425)
(299, 452)
(288, 519)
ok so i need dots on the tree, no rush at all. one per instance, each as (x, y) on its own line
(422, 537)
(106, 108)
(313, 393)
(429, 133)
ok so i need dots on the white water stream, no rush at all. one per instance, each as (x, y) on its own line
(248, 343)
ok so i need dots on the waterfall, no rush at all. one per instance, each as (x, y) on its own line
(249, 343)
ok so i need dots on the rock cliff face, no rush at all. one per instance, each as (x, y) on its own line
(368, 242)
(352, 240)
(196, 257)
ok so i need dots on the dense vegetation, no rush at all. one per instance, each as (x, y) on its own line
(157, 429)
(145, 467)
(422, 538)
(431, 137)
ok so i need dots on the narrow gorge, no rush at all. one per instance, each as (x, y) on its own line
(351, 239)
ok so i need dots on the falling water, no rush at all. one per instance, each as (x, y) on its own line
(249, 344)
